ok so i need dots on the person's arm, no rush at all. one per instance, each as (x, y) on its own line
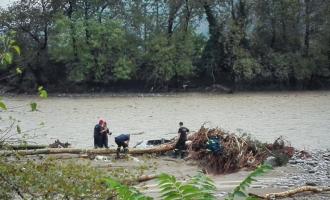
(127, 140)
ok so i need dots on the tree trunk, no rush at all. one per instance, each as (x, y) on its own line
(174, 8)
(159, 149)
(213, 25)
(187, 16)
(22, 147)
(307, 27)
(73, 31)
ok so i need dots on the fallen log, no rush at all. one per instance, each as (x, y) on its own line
(158, 149)
(147, 178)
(292, 192)
(23, 146)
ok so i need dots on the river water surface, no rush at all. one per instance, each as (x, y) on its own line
(303, 118)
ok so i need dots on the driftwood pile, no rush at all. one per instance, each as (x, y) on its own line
(238, 151)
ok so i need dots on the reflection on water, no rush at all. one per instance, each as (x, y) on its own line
(302, 117)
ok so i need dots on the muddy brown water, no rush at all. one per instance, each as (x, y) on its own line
(303, 118)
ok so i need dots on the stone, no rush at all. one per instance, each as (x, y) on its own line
(313, 163)
(310, 183)
(300, 161)
(292, 162)
(271, 160)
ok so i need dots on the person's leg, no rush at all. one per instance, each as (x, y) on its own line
(105, 140)
(125, 146)
(98, 141)
(183, 150)
(177, 149)
(95, 141)
(118, 149)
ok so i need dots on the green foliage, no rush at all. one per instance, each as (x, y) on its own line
(49, 179)
(124, 69)
(19, 70)
(33, 106)
(160, 60)
(245, 66)
(8, 48)
(124, 192)
(200, 187)
(240, 190)
(95, 57)
(42, 92)
(2, 105)
(78, 43)
(167, 59)
(18, 129)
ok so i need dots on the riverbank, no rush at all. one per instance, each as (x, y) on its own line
(295, 174)
(119, 91)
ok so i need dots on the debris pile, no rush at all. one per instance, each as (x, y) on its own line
(59, 144)
(237, 151)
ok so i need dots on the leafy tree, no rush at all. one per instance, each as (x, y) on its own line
(156, 43)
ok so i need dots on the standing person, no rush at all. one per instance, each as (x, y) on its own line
(122, 141)
(180, 146)
(98, 134)
(104, 135)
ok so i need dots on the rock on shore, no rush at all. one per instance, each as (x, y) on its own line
(313, 170)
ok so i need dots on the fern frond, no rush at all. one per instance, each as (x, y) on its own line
(205, 186)
(170, 187)
(199, 187)
(124, 192)
(240, 190)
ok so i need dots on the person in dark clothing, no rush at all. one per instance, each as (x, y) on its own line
(180, 146)
(98, 134)
(213, 145)
(101, 134)
(122, 141)
(104, 135)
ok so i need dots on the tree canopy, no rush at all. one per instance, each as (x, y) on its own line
(159, 44)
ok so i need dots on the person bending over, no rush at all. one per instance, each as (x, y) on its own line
(122, 141)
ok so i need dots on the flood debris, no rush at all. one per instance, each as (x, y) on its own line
(59, 144)
(237, 152)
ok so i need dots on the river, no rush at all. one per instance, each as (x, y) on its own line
(303, 118)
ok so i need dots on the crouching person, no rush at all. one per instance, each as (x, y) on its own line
(213, 145)
(122, 141)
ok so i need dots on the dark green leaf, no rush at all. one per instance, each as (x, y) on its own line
(33, 106)
(8, 58)
(18, 70)
(3, 106)
(239, 194)
(18, 129)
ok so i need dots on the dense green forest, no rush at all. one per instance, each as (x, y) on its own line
(164, 45)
